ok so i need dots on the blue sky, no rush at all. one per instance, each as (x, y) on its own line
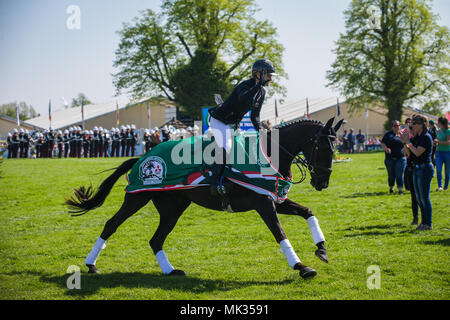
(41, 59)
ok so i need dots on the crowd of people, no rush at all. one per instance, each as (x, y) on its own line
(411, 156)
(75, 142)
(351, 143)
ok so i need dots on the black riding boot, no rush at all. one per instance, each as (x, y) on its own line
(217, 172)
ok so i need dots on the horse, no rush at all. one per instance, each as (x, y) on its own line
(312, 138)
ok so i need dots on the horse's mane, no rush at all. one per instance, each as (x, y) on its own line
(289, 124)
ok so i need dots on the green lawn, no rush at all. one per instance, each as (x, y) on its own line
(225, 255)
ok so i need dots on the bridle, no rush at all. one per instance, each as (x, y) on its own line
(304, 165)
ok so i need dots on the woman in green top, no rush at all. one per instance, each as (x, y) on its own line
(443, 152)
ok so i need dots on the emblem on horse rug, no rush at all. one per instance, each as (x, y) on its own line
(152, 170)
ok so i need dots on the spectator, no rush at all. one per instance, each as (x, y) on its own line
(360, 138)
(395, 161)
(345, 141)
(420, 148)
(351, 142)
(10, 145)
(442, 142)
(409, 185)
(433, 133)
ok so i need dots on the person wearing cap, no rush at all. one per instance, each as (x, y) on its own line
(247, 96)
(25, 144)
(86, 143)
(20, 137)
(132, 139)
(91, 143)
(106, 142)
(51, 142)
(15, 143)
(71, 142)
(66, 143)
(123, 140)
(39, 144)
(60, 143)
(419, 149)
(146, 140)
(96, 143)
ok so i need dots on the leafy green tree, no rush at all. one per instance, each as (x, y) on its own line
(25, 111)
(193, 49)
(393, 51)
(79, 100)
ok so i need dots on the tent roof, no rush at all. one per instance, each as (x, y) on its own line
(66, 117)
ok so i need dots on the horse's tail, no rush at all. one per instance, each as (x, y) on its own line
(85, 201)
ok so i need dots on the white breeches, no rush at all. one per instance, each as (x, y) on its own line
(223, 134)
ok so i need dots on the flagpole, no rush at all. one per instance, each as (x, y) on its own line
(17, 115)
(367, 121)
(307, 108)
(148, 114)
(82, 114)
(117, 114)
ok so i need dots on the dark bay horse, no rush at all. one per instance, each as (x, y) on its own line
(311, 138)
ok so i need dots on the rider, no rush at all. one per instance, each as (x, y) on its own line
(248, 95)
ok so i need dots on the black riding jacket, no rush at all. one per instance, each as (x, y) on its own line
(247, 95)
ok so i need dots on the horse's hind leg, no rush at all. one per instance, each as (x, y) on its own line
(170, 208)
(131, 204)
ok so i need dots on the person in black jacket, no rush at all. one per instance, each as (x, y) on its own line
(10, 145)
(20, 137)
(395, 160)
(60, 143)
(246, 96)
(66, 142)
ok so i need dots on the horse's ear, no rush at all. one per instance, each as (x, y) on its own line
(338, 125)
(328, 125)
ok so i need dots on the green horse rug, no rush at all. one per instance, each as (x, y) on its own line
(184, 164)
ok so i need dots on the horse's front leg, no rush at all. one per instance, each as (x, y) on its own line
(293, 208)
(266, 209)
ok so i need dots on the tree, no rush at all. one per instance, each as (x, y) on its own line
(193, 49)
(399, 55)
(25, 111)
(79, 100)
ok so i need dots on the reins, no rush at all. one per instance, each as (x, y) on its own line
(303, 164)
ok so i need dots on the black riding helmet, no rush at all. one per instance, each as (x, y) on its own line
(264, 65)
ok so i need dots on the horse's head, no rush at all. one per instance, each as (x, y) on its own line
(318, 152)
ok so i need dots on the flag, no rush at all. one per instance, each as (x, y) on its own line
(338, 108)
(367, 112)
(307, 109)
(17, 115)
(117, 114)
(50, 112)
(276, 107)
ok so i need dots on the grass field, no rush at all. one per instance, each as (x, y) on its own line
(225, 255)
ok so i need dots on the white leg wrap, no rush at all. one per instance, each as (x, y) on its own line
(287, 249)
(99, 245)
(163, 262)
(316, 232)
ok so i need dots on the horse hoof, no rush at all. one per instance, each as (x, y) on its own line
(92, 268)
(307, 273)
(177, 273)
(322, 255)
